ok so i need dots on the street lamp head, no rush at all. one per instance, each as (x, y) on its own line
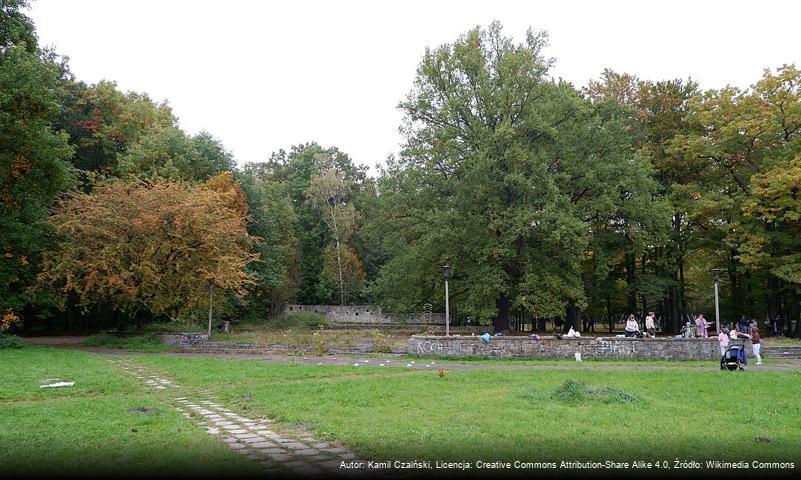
(715, 274)
(446, 272)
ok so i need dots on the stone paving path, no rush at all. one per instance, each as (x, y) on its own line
(256, 439)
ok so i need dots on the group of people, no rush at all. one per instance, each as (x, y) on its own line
(633, 328)
(743, 329)
(775, 327)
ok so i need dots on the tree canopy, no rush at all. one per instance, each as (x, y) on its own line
(549, 200)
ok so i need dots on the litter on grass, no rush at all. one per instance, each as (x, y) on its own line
(58, 385)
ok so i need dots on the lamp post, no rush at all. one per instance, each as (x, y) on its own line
(446, 274)
(716, 278)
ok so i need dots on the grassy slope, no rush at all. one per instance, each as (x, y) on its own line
(509, 414)
(88, 427)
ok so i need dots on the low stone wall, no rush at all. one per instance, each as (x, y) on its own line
(365, 314)
(226, 347)
(590, 347)
(184, 340)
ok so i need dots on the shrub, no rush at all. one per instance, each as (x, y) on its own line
(571, 391)
(574, 391)
(381, 342)
(8, 320)
(319, 345)
(10, 341)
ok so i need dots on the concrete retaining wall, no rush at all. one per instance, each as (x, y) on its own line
(590, 348)
(365, 314)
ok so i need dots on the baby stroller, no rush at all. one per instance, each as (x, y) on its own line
(734, 358)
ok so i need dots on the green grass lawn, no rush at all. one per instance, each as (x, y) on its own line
(530, 414)
(89, 428)
(511, 414)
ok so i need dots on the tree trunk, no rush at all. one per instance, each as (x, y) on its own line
(797, 316)
(339, 254)
(736, 309)
(774, 297)
(502, 318)
(673, 300)
(643, 299)
(211, 305)
(572, 315)
(682, 295)
(630, 283)
(680, 300)
(339, 266)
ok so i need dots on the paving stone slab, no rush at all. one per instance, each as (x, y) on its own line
(280, 457)
(272, 450)
(305, 455)
(296, 446)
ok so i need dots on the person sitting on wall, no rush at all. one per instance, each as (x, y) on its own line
(632, 327)
(743, 326)
(688, 330)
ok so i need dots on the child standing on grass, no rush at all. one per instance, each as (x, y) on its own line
(756, 344)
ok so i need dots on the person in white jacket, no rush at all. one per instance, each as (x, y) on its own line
(632, 327)
(649, 324)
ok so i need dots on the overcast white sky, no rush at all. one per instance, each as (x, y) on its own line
(266, 75)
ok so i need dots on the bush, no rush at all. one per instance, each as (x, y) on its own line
(571, 391)
(574, 391)
(381, 342)
(319, 345)
(298, 320)
(11, 341)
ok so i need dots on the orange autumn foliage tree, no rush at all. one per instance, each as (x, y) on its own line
(152, 246)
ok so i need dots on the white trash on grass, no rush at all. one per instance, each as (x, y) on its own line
(58, 385)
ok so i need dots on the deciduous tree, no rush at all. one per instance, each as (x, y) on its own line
(151, 248)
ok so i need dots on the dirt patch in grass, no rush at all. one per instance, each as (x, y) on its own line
(145, 410)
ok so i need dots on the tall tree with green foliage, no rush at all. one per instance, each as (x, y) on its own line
(657, 113)
(505, 174)
(747, 137)
(104, 123)
(295, 170)
(273, 219)
(168, 152)
(33, 159)
(328, 192)
(16, 28)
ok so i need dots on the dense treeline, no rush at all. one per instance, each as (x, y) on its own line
(548, 200)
